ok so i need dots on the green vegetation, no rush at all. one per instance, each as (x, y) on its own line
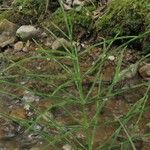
(76, 106)
(57, 90)
(81, 18)
(126, 17)
(30, 7)
(25, 11)
(8, 15)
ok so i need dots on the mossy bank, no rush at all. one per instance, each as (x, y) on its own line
(127, 17)
(122, 17)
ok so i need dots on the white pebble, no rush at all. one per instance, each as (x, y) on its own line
(67, 147)
(111, 58)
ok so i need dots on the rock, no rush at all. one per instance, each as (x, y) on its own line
(6, 39)
(7, 26)
(27, 32)
(27, 47)
(61, 43)
(18, 46)
(7, 33)
(144, 71)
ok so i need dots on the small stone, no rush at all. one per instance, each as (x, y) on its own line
(78, 3)
(60, 43)
(18, 46)
(27, 47)
(112, 58)
(27, 32)
(144, 71)
(67, 147)
(6, 40)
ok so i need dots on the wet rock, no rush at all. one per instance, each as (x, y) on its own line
(7, 33)
(144, 71)
(6, 39)
(61, 43)
(7, 26)
(27, 32)
(18, 46)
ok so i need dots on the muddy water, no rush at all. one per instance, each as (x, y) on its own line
(13, 136)
(27, 105)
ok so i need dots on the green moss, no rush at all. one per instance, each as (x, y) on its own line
(82, 18)
(24, 11)
(30, 7)
(10, 15)
(127, 17)
(30, 10)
